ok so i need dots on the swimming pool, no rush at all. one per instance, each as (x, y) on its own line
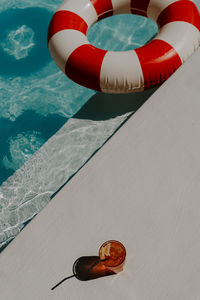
(37, 99)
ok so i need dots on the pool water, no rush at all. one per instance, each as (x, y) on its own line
(36, 98)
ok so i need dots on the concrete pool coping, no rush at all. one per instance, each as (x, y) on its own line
(141, 188)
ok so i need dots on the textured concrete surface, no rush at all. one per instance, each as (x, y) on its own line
(142, 188)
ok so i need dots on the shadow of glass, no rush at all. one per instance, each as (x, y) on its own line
(103, 106)
(36, 19)
(28, 122)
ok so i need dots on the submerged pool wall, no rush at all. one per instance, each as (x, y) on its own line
(25, 193)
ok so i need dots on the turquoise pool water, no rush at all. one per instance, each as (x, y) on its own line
(36, 98)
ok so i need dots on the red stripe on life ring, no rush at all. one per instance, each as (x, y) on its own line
(84, 66)
(104, 8)
(159, 61)
(182, 10)
(139, 7)
(66, 20)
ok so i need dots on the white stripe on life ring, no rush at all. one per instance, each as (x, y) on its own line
(63, 44)
(83, 8)
(121, 6)
(156, 7)
(182, 36)
(121, 70)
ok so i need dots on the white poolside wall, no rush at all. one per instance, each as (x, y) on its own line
(141, 188)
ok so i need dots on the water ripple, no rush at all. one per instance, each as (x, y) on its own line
(19, 42)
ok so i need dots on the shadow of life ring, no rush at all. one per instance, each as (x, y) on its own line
(36, 20)
(125, 71)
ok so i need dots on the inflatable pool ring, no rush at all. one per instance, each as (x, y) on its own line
(126, 71)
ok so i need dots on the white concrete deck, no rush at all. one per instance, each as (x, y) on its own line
(142, 188)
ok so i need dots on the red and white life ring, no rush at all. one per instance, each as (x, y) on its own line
(126, 71)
